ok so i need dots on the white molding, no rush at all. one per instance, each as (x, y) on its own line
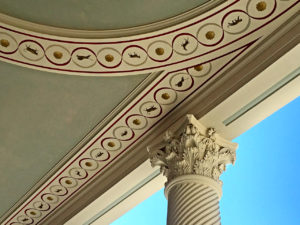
(127, 193)
(271, 89)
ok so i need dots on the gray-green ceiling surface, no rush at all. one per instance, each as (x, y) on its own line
(96, 14)
(43, 116)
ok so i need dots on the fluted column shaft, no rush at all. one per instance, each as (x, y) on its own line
(193, 158)
(193, 200)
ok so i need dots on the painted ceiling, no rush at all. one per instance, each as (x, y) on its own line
(95, 14)
(43, 114)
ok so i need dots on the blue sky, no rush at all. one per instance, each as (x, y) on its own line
(262, 188)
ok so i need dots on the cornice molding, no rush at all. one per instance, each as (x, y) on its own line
(204, 37)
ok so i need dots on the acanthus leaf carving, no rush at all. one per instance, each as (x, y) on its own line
(192, 152)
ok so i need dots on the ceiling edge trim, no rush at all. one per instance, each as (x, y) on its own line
(127, 194)
(262, 97)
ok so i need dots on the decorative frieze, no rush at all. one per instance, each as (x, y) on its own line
(167, 49)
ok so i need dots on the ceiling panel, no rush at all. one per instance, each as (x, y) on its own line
(95, 14)
(44, 115)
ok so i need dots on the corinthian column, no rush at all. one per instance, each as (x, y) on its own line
(193, 158)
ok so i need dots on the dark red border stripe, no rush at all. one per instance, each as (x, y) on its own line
(154, 67)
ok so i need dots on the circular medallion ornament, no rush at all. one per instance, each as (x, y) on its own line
(78, 173)
(31, 50)
(260, 9)
(210, 34)
(68, 182)
(99, 154)
(25, 219)
(150, 109)
(58, 55)
(111, 144)
(88, 164)
(200, 70)
(50, 198)
(136, 122)
(58, 190)
(165, 96)
(236, 22)
(160, 51)
(8, 44)
(123, 133)
(41, 206)
(185, 44)
(33, 213)
(4, 43)
(109, 57)
(181, 81)
(84, 57)
(134, 55)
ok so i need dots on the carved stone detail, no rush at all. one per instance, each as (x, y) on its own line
(195, 150)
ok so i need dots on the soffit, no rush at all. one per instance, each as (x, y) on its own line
(168, 96)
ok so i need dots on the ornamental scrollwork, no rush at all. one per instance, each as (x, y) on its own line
(191, 152)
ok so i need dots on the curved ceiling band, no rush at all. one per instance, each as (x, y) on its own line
(229, 24)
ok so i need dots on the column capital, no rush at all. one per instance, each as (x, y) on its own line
(193, 149)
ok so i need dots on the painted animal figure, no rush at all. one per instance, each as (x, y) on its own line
(78, 173)
(124, 133)
(180, 83)
(31, 50)
(235, 22)
(134, 55)
(151, 109)
(185, 44)
(99, 154)
(82, 57)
